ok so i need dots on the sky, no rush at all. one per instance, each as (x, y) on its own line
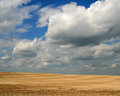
(60, 36)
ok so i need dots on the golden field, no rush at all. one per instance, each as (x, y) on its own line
(41, 84)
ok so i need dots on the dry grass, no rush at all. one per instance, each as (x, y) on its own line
(36, 84)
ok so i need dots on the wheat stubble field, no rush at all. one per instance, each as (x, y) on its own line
(39, 84)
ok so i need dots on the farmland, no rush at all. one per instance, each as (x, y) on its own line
(45, 84)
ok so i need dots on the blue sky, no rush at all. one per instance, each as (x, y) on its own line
(85, 3)
(54, 36)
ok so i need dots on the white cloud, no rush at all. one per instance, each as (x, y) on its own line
(26, 48)
(74, 40)
(71, 31)
(103, 51)
(12, 14)
(45, 13)
(80, 26)
(8, 43)
(23, 29)
(5, 4)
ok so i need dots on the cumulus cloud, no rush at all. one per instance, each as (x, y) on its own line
(103, 51)
(74, 40)
(15, 3)
(26, 48)
(45, 13)
(82, 26)
(8, 43)
(12, 14)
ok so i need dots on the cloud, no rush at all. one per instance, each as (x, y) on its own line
(38, 54)
(107, 51)
(80, 26)
(23, 29)
(12, 14)
(26, 48)
(103, 51)
(74, 40)
(6, 43)
(12, 3)
(45, 13)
